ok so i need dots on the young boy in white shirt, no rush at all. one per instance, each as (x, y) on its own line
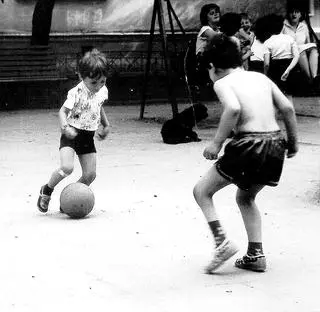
(81, 116)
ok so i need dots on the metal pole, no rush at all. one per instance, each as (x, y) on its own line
(166, 64)
(146, 76)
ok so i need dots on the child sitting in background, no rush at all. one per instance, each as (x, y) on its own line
(209, 19)
(295, 26)
(246, 37)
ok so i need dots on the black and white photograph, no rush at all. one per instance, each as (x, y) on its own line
(159, 155)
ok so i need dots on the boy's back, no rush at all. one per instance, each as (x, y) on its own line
(280, 46)
(253, 94)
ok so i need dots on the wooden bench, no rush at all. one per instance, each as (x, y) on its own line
(29, 77)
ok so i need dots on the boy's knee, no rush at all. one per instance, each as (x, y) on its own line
(65, 171)
(199, 192)
(244, 199)
(195, 191)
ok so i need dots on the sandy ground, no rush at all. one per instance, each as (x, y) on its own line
(146, 243)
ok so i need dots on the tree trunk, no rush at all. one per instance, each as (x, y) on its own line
(41, 22)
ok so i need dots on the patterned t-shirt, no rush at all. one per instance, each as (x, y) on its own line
(85, 107)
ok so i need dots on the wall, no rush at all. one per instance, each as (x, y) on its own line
(105, 16)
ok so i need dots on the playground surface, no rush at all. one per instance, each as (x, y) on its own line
(146, 243)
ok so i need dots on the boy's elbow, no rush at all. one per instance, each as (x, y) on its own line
(288, 110)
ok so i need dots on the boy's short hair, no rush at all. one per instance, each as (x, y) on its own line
(261, 28)
(93, 64)
(205, 10)
(275, 22)
(222, 52)
(230, 23)
(244, 16)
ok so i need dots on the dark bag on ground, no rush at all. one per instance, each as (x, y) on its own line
(180, 128)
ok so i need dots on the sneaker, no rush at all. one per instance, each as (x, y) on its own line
(222, 253)
(252, 263)
(43, 201)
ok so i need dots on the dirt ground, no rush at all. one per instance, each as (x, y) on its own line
(146, 243)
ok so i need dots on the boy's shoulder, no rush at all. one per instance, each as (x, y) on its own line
(242, 78)
(75, 88)
(278, 38)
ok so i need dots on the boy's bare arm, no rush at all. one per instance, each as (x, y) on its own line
(103, 133)
(67, 130)
(287, 110)
(104, 119)
(266, 63)
(293, 63)
(228, 120)
(63, 113)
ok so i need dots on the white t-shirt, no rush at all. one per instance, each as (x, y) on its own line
(299, 34)
(85, 107)
(202, 41)
(280, 46)
(259, 50)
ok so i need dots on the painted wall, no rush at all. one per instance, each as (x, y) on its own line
(105, 16)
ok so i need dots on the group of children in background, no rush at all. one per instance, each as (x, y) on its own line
(273, 45)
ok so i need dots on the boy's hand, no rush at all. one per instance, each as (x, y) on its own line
(69, 132)
(292, 150)
(103, 132)
(285, 75)
(211, 152)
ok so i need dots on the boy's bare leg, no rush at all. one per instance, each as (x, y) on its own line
(66, 168)
(207, 186)
(254, 259)
(304, 65)
(88, 164)
(313, 61)
(250, 212)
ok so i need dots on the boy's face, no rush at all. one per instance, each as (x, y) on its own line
(95, 84)
(245, 24)
(213, 16)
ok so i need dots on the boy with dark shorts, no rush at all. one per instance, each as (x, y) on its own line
(81, 116)
(255, 155)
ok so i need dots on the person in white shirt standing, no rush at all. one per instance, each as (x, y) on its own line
(295, 26)
(283, 53)
(81, 117)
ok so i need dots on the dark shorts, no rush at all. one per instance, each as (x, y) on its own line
(253, 158)
(257, 66)
(83, 143)
(276, 70)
